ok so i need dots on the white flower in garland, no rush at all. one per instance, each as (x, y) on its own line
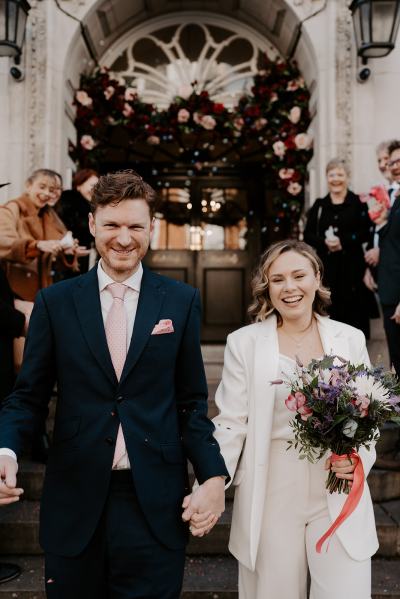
(83, 98)
(87, 142)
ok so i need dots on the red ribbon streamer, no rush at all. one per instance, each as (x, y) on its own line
(353, 497)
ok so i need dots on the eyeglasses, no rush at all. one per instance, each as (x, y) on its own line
(394, 162)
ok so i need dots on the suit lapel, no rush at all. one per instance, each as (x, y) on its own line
(150, 301)
(88, 308)
(332, 338)
(266, 363)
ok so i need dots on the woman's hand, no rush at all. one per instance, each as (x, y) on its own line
(343, 468)
(369, 281)
(333, 245)
(26, 308)
(50, 246)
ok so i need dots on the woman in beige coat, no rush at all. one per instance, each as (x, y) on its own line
(281, 507)
(30, 237)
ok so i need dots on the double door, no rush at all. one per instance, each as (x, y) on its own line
(204, 236)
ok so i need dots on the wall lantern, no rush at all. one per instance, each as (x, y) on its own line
(376, 23)
(13, 16)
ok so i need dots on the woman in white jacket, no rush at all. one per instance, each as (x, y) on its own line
(281, 507)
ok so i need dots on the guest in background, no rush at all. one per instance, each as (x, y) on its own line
(389, 263)
(372, 253)
(58, 188)
(31, 237)
(74, 208)
(337, 226)
(14, 319)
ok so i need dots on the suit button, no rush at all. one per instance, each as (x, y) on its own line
(113, 413)
(110, 440)
(119, 398)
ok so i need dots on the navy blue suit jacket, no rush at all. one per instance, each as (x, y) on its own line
(160, 401)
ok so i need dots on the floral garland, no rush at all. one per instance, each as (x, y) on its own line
(268, 127)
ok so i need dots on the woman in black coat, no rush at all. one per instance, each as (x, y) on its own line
(337, 226)
(74, 206)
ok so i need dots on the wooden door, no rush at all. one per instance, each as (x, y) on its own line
(201, 237)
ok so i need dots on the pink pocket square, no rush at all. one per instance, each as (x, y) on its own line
(164, 326)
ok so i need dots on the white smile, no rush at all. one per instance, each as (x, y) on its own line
(293, 300)
(123, 252)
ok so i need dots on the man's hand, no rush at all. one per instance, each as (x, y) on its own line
(396, 315)
(9, 493)
(204, 507)
(372, 256)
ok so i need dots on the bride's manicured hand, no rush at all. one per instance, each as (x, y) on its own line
(342, 468)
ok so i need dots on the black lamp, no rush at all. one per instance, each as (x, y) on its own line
(376, 23)
(13, 16)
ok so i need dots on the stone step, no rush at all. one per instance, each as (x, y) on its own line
(19, 530)
(384, 485)
(205, 578)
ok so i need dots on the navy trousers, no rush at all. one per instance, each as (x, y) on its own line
(123, 559)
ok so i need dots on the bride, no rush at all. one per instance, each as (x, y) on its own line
(281, 507)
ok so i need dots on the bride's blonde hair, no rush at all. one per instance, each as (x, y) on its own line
(261, 306)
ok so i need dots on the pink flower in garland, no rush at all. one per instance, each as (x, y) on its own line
(87, 142)
(153, 140)
(279, 149)
(83, 98)
(295, 115)
(128, 110)
(260, 123)
(273, 97)
(183, 115)
(294, 188)
(302, 141)
(109, 92)
(238, 123)
(208, 122)
(286, 173)
(130, 94)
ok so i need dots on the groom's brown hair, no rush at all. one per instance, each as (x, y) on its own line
(113, 188)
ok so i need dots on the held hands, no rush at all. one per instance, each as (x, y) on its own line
(9, 493)
(342, 468)
(204, 507)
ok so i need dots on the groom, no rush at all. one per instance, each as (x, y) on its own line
(122, 344)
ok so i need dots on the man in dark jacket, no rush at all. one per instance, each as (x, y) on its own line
(123, 345)
(13, 323)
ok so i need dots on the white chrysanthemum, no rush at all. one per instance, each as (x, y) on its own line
(366, 385)
(325, 376)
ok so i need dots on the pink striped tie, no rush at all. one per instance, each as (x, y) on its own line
(116, 332)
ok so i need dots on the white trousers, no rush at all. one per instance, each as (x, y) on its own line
(295, 517)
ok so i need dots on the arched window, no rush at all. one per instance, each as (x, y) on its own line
(167, 58)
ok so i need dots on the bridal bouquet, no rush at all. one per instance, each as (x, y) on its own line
(339, 407)
(378, 201)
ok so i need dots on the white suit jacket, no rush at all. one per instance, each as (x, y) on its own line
(245, 399)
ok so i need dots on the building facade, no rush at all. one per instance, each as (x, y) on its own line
(66, 38)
